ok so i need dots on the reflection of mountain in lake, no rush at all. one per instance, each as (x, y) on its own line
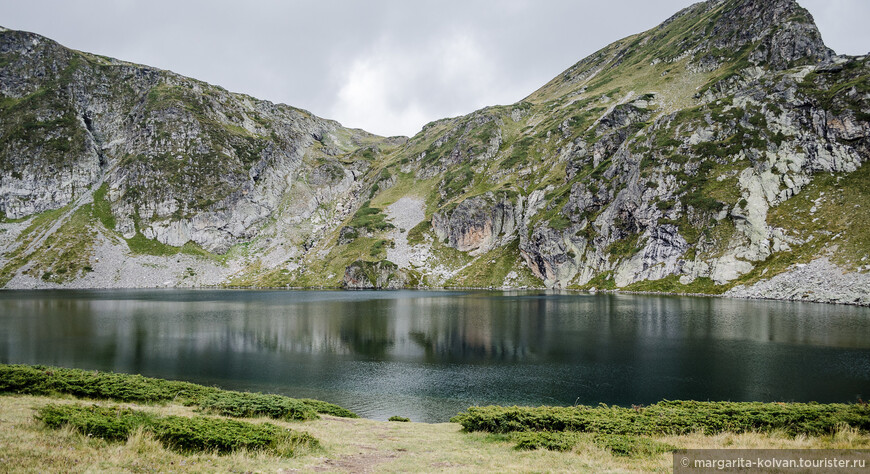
(481, 326)
(481, 346)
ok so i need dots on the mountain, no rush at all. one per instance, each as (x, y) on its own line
(720, 152)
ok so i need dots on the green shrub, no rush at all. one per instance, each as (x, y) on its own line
(399, 418)
(378, 247)
(179, 433)
(552, 440)
(370, 218)
(455, 181)
(625, 247)
(703, 203)
(109, 423)
(632, 446)
(249, 405)
(143, 245)
(664, 205)
(519, 154)
(42, 380)
(559, 222)
(671, 417)
(102, 208)
(326, 408)
(415, 235)
(199, 434)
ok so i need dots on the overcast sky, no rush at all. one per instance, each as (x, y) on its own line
(385, 66)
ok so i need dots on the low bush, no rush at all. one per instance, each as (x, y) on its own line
(326, 408)
(416, 234)
(182, 434)
(249, 405)
(399, 418)
(109, 423)
(671, 417)
(198, 434)
(552, 440)
(370, 218)
(631, 446)
(42, 380)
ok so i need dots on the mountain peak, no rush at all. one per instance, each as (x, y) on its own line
(776, 34)
(709, 37)
(780, 33)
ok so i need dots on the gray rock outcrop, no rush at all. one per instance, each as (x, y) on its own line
(381, 275)
(480, 223)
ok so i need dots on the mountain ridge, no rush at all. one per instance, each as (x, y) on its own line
(672, 160)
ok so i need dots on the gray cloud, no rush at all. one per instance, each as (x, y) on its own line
(387, 66)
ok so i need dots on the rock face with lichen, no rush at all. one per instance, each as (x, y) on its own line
(183, 161)
(723, 151)
(364, 275)
(479, 224)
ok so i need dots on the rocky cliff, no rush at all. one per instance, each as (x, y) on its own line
(720, 152)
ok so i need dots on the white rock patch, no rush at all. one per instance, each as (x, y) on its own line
(405, 214)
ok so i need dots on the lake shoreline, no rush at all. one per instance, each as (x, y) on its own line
(30, 440)
(736, 296)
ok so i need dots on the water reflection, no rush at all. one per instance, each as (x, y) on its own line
(430, 354)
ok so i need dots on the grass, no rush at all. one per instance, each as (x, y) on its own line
(416, 234)
(329, 271)
(406, 185)
(250, 405)
(617, 445)
(601, 281)
(625, 247)
(521, 152)
(491, 270)
(455, 183)
(559, 222)
(26, 445)
(675, 90)
(370, 218)
(379, 249)
(139, 244)
(102, 209)
(671, 284)
(383, 273)
(65, 254)
(142, 245)
(838, 198)
(73, 251)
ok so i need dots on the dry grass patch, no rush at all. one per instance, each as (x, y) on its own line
(356, 445)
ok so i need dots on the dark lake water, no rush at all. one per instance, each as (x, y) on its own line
(429, 354)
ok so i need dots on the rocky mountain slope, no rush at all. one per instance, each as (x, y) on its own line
(720, 152)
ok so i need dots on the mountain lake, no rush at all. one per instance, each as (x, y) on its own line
(427, 355)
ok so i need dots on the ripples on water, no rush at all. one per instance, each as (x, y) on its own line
(430, 354)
